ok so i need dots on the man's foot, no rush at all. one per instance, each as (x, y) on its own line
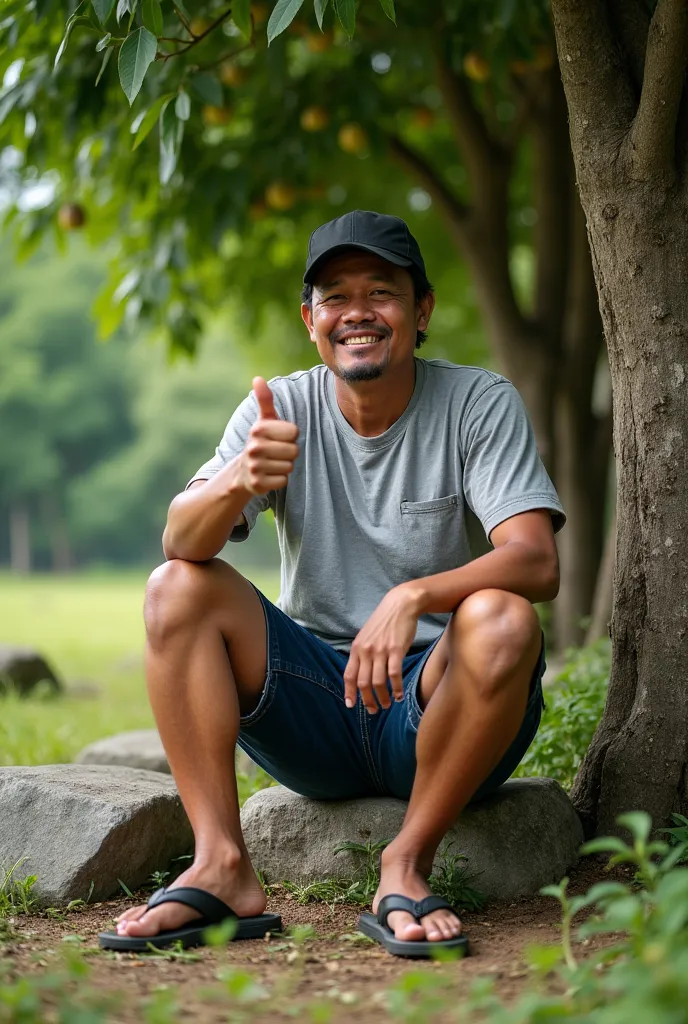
(231, 878)
(405, 879)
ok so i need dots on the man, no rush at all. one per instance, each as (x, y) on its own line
(397, 663)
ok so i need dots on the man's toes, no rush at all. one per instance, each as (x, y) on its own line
(441, 926)
(406, 927)
(144, 926)
(433, 929)
(133, 914)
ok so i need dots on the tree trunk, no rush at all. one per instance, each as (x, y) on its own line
(58, 533)
(639, 754)
(631, 166)
(20, 539)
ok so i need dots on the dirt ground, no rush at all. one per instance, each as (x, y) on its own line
(336, 967)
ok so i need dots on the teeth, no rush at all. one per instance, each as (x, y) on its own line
(368, 339)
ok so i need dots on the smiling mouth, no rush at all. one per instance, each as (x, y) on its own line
(360, 340)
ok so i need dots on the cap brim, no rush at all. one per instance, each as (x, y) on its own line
(385, 254)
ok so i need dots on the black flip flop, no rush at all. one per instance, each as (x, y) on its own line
(375, 927)
(214, 912)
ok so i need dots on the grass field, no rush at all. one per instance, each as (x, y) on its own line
(90, 628)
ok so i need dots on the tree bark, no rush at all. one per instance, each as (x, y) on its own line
(636, 203)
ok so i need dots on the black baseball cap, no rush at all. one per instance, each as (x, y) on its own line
(385, 236)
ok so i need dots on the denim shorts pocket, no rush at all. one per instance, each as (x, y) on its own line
(266, 698)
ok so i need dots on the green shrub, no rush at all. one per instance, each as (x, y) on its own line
(575, 702)
(642, 975)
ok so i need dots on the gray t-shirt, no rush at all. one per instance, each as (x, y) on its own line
(361, 515)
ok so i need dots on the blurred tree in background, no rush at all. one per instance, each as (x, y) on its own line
(206, 178)
(64, 403)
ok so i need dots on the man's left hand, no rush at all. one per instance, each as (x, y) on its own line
(378, 651)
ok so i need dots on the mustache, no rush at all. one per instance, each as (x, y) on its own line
(340, 333)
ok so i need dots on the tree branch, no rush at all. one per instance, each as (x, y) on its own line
(653, 135)
(478, 148)
(630, 22)
(596, 80)
(195, 38)
(421, 170)
(553, 192)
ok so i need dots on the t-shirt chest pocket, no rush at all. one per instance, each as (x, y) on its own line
(431, 533)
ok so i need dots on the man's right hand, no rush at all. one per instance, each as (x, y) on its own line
(271, 448)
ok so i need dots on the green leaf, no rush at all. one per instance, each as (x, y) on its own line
(150, 118)
(282, 16)
(136, 55)
(388, 7)
(605, 844)
(507, 10)
(638, 823)
(103, 9)
(320, 8)
(241, 16)
(102, 43)
(78, 15)
(125, 7)
(346, 12)
(182, 106)
(171, 134)
(106, 60)
(152, 16)
(208, 89)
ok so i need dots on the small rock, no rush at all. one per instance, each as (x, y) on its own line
(23, 669)
(82, 824)
(141, 748)
(523, 837)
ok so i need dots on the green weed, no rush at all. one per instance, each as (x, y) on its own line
(453, 880)
(357, 891)
(16, 895)
(678, 836)
(575, 702)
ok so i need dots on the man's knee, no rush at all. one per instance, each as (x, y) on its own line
(178, 594)
(496, 634)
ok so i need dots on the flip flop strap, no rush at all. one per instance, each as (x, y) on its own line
(393, 902)
(212, 909)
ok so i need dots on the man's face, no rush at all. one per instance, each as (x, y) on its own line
(364, 316)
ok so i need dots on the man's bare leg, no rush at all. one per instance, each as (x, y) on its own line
(474, 689)
(201, 676)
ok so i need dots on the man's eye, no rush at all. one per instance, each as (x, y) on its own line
(334, 298)
(380, 291)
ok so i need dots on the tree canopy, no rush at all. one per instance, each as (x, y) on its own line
(205, 178)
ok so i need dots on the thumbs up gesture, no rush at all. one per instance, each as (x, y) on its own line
(271, 449)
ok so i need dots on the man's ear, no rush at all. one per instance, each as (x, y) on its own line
(307, 317)
(425, 307)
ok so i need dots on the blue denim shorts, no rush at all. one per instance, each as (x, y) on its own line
(305, 737)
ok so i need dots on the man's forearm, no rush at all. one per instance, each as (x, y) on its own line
(515, 567)
(201, 519)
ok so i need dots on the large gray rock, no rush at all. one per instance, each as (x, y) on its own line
(83, 824)
(141, 748)
(525, 836)
(22, 669)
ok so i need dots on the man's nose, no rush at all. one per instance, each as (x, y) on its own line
(358, 312)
